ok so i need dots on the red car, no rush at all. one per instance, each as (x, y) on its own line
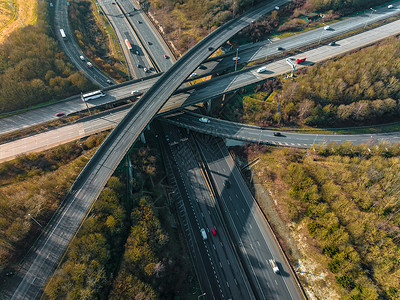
(213, 231)
(165, 56)
(300, 60)
(60, 114)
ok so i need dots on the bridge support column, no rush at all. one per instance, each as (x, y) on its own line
(209, 105)
(148, 126)
(142, 138)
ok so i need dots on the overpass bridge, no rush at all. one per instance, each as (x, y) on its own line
(262, 135)
(89, 184)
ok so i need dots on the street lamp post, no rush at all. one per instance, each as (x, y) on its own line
(35, 220)
(372, 11)
(201, 295)
(84, 152)
(237, 57)
(320, 36)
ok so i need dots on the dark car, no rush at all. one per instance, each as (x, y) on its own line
(277, 134)
(227, 184)
(279, 48)
(332, 43)
(210, 48)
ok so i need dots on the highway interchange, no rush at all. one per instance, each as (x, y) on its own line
(186, 97)
(214, 168)
(249, 53)
(96, 173)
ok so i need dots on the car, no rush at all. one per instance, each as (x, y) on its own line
(235, 58)
(214, 233)
(203, 233)
(167, 137)
(204, 120)
(139, 65)
(274, 266)
(113, 3)
(279, 48)
(277, 7)
(136, 93)
(227, 184)
(210, 48)
(262, 69)
(89, 64)
(148, 42)
(109, 81)
(82, 57)
(300, 60)
(60, 114)
(165, 56)
(145, 70)
(390, 6)
(140, 22)
(277, 134)
(201, 67)
(332, 43)
(327, 27)
(193, 75)
(137, 52)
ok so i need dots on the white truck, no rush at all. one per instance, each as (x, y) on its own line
(274, 266)
(203, 233)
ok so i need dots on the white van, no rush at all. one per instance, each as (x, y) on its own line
(203, 233)
(262, 70)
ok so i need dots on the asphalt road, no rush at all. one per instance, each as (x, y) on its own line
(184, 97)
(221, 274)
(256, 51)
(257, 134)
(92, 179)
(71, 48)
(252, 235)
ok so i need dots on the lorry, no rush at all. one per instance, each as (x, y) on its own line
(203, 233)
(274, 266)
(128, 45)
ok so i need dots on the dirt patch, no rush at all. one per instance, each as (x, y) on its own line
(16, 14)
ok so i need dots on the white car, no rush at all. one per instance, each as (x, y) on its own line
(135, 93)
(82, 57)
(274, 266)
(204, 120)
(262, 69)
(193, 75)
(89, 64)
(277, 7)
(327, 27)
(145, 70)
(390, 6)
(235, 58)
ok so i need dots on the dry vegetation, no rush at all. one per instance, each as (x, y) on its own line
(35, 184)
(341, 205)
(16, 14)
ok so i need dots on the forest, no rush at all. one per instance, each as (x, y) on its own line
(126, 249)
(351, 90)
(347, 198)
(33, 69)
(36, 184)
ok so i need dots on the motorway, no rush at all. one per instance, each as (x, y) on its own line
(71, 48)
(249, 52)
(187, 97)
(256, 242)
(52, 244)
(219, 269)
